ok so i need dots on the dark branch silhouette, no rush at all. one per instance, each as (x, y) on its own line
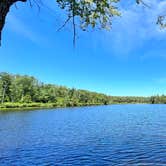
(4, 9)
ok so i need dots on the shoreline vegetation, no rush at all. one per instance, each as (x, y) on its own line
(26, 92)
(31, 106)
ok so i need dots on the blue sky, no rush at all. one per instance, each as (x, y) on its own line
(128, 60)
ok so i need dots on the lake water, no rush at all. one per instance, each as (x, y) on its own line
(100, 135)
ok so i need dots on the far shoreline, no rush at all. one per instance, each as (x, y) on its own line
(46, 107)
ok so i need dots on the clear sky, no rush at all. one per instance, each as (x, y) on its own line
(128, 60)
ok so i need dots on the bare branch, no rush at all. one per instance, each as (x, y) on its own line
(16, 6)
(68, 19)
(37, 4)
(142, 2)
(74, 32)
(74, 25)
(30, 3)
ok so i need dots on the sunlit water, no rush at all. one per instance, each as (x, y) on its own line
(101, 135)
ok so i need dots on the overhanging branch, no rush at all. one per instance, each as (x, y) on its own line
(4, 9)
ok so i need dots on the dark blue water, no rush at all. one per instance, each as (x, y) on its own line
(102, 135)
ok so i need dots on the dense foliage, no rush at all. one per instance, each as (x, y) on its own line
(129, 99)
(158, 99)
(91, 12)
(134, 99)
(26, 89)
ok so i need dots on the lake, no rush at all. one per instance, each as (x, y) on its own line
(97, 135)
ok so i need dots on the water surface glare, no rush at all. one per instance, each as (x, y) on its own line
(100, 135)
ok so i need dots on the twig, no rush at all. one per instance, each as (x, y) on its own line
(30, 3)
(64, 24)
(37, 5)
(74, 25)
(74, 32)
(141, 1)
(15, 6)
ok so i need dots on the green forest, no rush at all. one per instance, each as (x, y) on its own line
(17, 91)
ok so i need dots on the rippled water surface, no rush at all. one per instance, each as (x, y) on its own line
(101, 135)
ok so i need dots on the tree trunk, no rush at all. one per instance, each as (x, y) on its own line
(3, 94)
(4, 9)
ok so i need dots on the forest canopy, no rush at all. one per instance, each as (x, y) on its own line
(26, 91)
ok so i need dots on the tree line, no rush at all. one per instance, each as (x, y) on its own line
(28, 91)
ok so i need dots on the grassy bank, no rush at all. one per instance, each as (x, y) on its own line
(24, 106)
